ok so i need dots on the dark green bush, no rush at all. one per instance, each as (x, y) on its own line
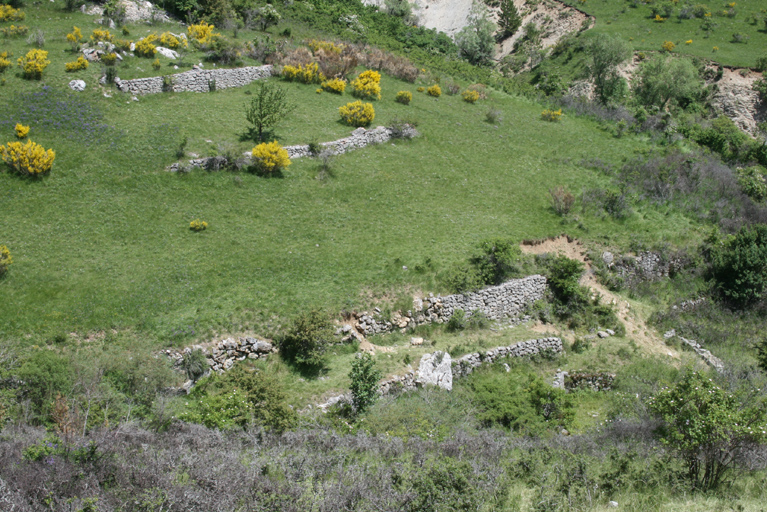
(738, 266)
(364, 382)
(307, 339)
(44, 374)
(457, 321)
(444, 484)
(194, 364)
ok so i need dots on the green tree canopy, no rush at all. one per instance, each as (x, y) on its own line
(664, 79)
(606, 53)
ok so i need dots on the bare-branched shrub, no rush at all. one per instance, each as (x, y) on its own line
(562, 200)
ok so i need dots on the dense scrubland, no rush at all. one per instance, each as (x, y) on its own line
(107, 258)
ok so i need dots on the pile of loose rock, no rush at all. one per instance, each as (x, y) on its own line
(226, 352)
(704, 354)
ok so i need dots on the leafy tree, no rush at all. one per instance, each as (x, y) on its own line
(399, 8)
(509, 20)
(307, 339)
(364, 376)
(475, 40)
(739, 265)
(707, 426)
(265, 17)
(664, 79)
(606, 53)
(267, 108)
(564, 276)
(497, 260)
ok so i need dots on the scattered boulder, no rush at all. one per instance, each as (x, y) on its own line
(77, 85)
(436, 369)
(167, 53)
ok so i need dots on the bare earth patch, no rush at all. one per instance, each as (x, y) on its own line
(636, 328)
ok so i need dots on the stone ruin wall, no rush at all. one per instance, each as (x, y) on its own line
(197, 80)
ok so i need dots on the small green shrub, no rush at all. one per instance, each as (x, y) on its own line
(307, 339)
(457, 321)
(194, 363)
(364, 378)
(738, 265)
(404, 97)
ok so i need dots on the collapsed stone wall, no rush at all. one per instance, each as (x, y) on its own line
(438, 369)
(197, 80)
(223, 354)
(358, 139)
(709, 358)
(504, 302)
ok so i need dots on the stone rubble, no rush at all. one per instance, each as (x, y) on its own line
(226, 352)
(704, 354)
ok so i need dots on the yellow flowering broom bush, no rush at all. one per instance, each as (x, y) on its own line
(202, 33)
(335, 85)
(668, 46)
(357, 113)
(5, 61)
(8, 13)
(14, 31)
(34, 63)
(309, 74)
(470, 96)
(551, 115)
(75, 38)
(145, 47)
(109, 59)
(21, 131)
(368, 85)
(326, 46)
(404, 97)
(101, 35)
(5, 259)
(198, 225)
(170, 41)
(435, 91)
(29, 159)
(77, 65)
(270, 157)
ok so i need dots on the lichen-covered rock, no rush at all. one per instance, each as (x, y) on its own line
(436, 369)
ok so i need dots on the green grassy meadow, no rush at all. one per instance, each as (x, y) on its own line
(104, 241)
(634, 23)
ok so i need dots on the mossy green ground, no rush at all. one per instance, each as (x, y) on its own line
(636, 26)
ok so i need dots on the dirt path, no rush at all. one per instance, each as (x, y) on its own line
(636, 327)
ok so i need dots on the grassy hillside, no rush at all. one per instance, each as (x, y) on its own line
(104, 240)
(711, 30)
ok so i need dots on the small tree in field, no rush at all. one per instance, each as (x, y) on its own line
(267, 108)
(707, 426)
(606, 53)
(509, 21)
(364, 376)
(307, 339)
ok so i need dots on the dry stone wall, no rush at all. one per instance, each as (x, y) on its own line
(197, 80)
(438, 369)
(504, 302)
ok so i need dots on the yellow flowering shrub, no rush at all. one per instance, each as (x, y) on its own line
(146, 47)
(335, 85)
(198, 225)
(14, 31)
(29, 159)
(326, 46)
(667, 46)
(123, 44)
(270, 157)
(309, 74)
(368, 85)
(689, 41)
(77, 65)
(75, 36)
(404, 97)
(421, 89)
(357, 113)
(21, 131)
(5, 259)
(5, 61)
(156, 64)
(34, 63)
(659, 18)
(435, 90)
(170, 41)
(551, 115)
(470, 96)
(8, 13)
(103, 35)
(202, 33)
(109, 59)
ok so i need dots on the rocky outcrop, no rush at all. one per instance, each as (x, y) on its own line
(196, 80)
(436, 370)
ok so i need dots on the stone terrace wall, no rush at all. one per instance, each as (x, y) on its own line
(459, 368)
(503, 302)
(197, 80)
